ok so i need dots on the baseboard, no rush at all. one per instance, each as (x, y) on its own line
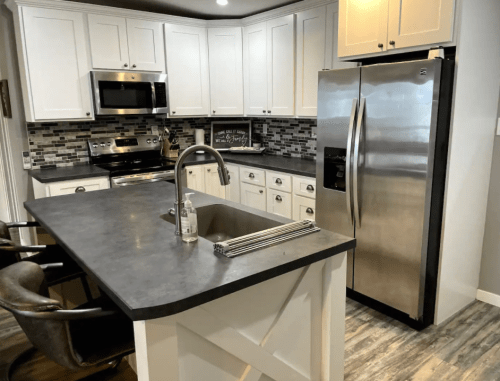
(488, 297)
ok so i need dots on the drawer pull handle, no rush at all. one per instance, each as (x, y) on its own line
(261, 191)
(309, 211)
(279, 182)
(190, 172)
(278, 198)
(208, 169)
(251, 175)
(80, 189)
(310, 188)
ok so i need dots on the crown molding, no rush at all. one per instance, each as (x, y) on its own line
(13, 5)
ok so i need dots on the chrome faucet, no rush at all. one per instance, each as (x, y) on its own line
(179, 201)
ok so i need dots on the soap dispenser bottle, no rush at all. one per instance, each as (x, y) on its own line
(189, 221)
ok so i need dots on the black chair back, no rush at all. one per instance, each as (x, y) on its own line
(7, 258)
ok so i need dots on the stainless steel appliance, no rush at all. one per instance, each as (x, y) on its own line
(117, 93)
(381, 165)
(131, 160)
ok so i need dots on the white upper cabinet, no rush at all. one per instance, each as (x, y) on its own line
(269, 67)
(381, 25)
(362, 27)
(311, 58)
(281, 66)
(332, 26)
(255, 69)
(225, 51)
(128, 44)
(420, 22)
(108, 42)
(56, 83)
(145, 45)
(187, 68)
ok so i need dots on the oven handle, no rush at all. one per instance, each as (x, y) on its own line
(153, 95)
(127, 183)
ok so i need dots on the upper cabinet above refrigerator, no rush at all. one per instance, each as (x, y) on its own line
(379, 26)
(118, 43)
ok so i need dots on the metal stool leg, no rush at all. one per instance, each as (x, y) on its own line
(25, 353)
(86, 288)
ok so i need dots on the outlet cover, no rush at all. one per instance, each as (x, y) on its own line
(498, 127)
(26, 160)
(154, 130)
(264, 127)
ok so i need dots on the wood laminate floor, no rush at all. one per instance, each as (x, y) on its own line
(377, 348)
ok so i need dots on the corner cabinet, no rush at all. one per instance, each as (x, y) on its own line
(126, 44)
(225, 50)
(269, 69)
(54, 64)
(393, 24)
(187, 68)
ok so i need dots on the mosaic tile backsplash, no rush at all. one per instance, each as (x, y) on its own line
(65, 143)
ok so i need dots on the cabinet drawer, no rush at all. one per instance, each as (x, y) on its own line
(253, 196)
(76, 186)
(279, 203)
(304, 208)
(304, 186)
(253, 176)
(279, 181)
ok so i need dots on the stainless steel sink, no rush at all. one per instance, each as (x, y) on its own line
(220, 222)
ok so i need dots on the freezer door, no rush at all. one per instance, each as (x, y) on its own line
(338, 94)
(396, 144)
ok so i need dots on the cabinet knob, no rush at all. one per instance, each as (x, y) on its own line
(80, 189)
(261, 191)
(392, 42)
(208, 169)
(213, 112)
(310, 188)
(278, 198)
(279, 182)
(134, 65)
(380, 45)
(309, 211)
(268, 111)
(190, 172)
(88, 114)
(251, 175)
(173, 112)
(125, 65)
(264, 111)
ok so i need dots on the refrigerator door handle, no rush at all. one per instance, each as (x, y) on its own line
(348, 171)
(355, 184)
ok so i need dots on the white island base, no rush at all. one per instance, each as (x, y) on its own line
(289, 328)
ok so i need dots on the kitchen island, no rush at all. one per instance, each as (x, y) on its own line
(274, 314)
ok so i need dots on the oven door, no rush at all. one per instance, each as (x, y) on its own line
(143, 178)
(118, 93)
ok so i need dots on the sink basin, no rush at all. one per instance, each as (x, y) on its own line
(220, 222)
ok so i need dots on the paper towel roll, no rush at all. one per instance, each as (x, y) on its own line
(199, 138)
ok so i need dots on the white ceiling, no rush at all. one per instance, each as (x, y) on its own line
(204, 9)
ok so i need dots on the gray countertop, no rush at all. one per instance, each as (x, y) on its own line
(119, 239)
(294, 166)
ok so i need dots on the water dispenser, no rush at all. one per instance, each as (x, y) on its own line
(334, 169)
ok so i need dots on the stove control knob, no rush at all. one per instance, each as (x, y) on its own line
(148, 141)
(155, 140)
(103, 144)
(109, 144)
(95, 145)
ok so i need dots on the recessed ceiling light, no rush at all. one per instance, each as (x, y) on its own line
(222, 2)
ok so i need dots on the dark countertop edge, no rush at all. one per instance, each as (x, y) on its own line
(262, 166)
(219, 292)
(36, 174)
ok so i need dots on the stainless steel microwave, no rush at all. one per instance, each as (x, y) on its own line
(118, 93)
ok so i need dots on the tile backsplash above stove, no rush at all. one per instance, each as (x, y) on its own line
(65, 143)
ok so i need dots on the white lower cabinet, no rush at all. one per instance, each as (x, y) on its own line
(304, 208)
(60, 188)
(279, 203)
(212, 181)
(195, 178)
(233, 189)
(253, 196)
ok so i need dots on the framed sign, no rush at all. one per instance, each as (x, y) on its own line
(5, 99)
(225, 135)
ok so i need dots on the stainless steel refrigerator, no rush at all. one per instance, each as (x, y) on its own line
(381, 167)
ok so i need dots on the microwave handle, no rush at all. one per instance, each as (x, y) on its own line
(153, 94)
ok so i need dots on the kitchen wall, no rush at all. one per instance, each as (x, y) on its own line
(489, 280)
(65, 143)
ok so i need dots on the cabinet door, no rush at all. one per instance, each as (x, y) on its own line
(225, 51)
(420, 22)
(77, 186)
(255, 69)
(146, 48)
(195, 177)
(58, 64)
(311, 43)
(279, 203)
(332, 30)
(362, 27)
(233, 189)
(281, 66)
(187, 67)
(253, 196)
(304, 208)
(108, 42)
(212, 182)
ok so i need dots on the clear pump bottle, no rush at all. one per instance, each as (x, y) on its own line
(189, 221)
